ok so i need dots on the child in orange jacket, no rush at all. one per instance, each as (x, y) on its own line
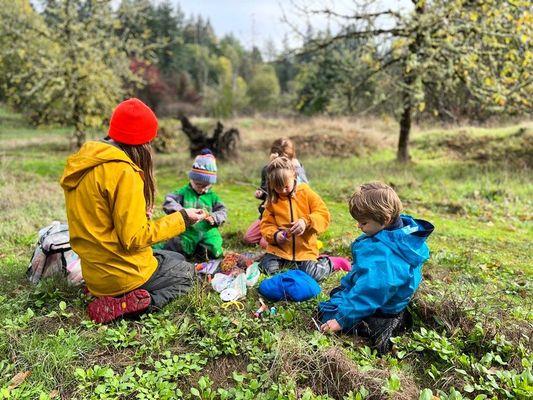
(294, 215)
(282, 147)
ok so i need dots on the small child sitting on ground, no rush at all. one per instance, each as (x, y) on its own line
(386, 269)
(294, 214)
(282, 147)
(202, 239)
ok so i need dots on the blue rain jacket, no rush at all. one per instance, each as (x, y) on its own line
(386, 271)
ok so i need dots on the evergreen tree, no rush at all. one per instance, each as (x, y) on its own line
(166, 25)
(286, 69)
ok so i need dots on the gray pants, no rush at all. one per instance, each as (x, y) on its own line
(173, 277)
(318, 270)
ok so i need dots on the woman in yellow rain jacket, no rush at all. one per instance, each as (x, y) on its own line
(293, 216)
(109, 193)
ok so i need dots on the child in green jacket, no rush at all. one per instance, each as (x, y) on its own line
(203, 239)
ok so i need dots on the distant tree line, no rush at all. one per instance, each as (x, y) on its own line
(71, 61)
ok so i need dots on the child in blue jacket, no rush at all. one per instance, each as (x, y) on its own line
(386, 269)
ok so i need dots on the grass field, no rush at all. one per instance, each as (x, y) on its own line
(473, 313)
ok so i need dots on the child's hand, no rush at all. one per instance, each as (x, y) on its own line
(210, 219)
(331, 326)
(298, 227)
(258, 193)
(281, 237)
(196, 215)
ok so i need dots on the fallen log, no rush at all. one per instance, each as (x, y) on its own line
(223, 144)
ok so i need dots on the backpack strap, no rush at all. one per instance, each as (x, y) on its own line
(64, 263)
(57, 248)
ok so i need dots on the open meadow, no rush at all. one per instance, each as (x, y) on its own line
(473, 330)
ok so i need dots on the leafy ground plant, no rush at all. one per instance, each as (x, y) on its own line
(473, 315)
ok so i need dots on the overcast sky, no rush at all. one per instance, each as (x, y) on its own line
(256, 21)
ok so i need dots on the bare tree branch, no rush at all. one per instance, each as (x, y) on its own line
(363, 16)
(315, 45)
(286, 20)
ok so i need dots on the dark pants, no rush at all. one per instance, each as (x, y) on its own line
(380, 327)
(173, 277)
(318, 270)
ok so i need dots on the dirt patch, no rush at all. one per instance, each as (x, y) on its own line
(116, 359)
(441, 207)
(50, 325)
(325, 145)
(515, 149)
(450, 311)
(333, 146)
(330, 371)
(220, 371)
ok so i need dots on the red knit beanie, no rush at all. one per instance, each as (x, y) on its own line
(132, 122)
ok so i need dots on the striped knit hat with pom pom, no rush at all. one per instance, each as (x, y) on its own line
(204, 168)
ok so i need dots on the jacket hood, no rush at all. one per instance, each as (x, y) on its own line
(89, 156)
(408, 242)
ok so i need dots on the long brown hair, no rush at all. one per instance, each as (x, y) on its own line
(279, 170)
(142, 156)
(282, 147)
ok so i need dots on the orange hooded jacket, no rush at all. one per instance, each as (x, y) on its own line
(303, 203)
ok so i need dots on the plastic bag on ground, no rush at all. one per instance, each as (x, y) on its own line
(221, 281)
(252, 274)
(236, 290)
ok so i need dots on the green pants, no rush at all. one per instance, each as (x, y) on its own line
(194, 237)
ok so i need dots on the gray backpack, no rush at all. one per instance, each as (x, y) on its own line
(53, 255)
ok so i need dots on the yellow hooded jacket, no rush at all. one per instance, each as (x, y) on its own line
(305, 204)
(106, 213)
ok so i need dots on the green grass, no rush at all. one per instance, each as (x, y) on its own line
(473, 312)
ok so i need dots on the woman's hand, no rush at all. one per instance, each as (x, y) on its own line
(298, 227)
(196, 215)
(331, 326)
(149, 212)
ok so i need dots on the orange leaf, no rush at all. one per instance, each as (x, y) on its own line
(18, 379)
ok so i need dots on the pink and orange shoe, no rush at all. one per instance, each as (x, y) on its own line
(106, 309)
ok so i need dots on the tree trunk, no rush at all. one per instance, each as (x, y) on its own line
(409, 78)
(79, 136)
(405, 129)
(349, 99)
(79, 133)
